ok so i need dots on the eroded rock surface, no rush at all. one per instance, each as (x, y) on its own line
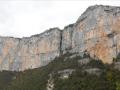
(26, 53)
(67, 38)
(97, 32)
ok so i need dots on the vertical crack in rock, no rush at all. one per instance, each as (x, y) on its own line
(61, 42)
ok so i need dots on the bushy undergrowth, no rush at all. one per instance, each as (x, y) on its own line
(36, 79)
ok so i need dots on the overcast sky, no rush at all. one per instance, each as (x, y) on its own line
(23, 18)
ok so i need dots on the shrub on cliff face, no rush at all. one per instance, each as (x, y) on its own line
(117, 58)
(96, 63)
(117, 85)
(83, 81)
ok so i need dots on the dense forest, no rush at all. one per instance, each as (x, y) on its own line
(89, 75)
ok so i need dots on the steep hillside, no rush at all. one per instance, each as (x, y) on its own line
(67, 72)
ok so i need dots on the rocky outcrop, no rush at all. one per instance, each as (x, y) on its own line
(67, 38)
(50, 83)
(95, 71)
(96, 32)
(117, 65)
(29, 52)
(64, 74)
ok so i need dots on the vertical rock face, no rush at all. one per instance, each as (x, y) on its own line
(8, 51)
(67, 38)
(97, 32)
(32, 52)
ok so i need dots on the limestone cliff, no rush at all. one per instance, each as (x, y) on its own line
(30, 52)
(97, 32)
(67, 38)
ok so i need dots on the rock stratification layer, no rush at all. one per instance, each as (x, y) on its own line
(97, 32)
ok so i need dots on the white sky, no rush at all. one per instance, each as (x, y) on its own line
(20, 18)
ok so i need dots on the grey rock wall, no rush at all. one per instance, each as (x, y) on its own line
(67, 38)
(96, 32)
(29, 52)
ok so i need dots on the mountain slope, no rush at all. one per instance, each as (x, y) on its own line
(97, 32)
(67, 72)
